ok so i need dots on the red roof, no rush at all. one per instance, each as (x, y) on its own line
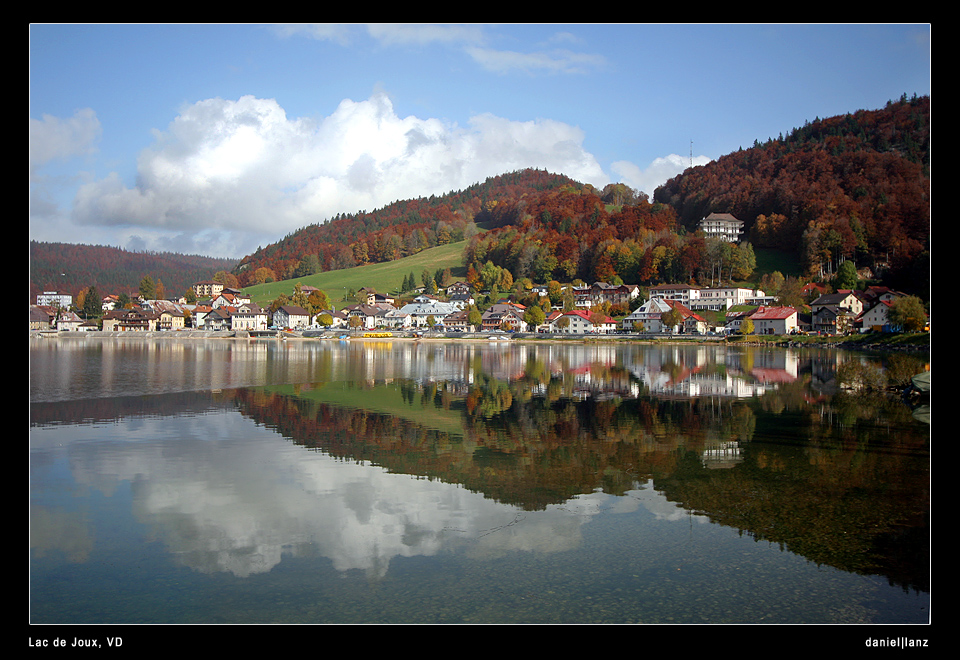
(773, 313)
(586, 316)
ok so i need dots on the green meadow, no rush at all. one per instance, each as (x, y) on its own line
(385, 277)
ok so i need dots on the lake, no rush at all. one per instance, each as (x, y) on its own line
(334, 482)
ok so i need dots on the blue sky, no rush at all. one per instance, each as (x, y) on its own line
(216, 139)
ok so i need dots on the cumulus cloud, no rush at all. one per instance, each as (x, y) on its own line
(245, 166)
(655, 174)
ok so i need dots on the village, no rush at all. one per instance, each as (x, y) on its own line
(665, 309)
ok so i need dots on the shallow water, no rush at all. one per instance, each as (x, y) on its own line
(367, 482)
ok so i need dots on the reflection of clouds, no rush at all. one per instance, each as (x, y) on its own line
(225, 495)
(661, 507)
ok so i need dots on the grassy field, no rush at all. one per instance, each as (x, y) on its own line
(385, 278)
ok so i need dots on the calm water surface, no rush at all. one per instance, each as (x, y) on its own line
(258, 481)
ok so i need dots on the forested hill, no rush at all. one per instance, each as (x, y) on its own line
(68, 268)
(853, 187)
(398, 230)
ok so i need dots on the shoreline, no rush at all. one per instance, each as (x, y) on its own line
(778, 341)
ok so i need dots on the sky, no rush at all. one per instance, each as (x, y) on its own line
(217, 139)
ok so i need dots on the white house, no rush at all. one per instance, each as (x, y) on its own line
(648, 314)
(249, 316)
(419, 312)
(291, 316)
(724, 226)
(845, 298)
(578, 322)
(52, 298)
(877, 316)
(774, 320)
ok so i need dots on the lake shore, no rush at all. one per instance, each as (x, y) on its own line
(868, 342)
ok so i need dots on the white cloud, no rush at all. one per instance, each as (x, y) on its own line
(656, 174)
(52, 138)
(554, 61)
(243, 166)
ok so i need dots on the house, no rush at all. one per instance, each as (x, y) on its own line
(459, 321)
(831, 319)
(424, 307)
(690, 321)
(615, 294)
(723, 298)
(682, 293)
(54, 299)
(500, 316)
(647, 314)
(217, 319)
(198, 313)
(774, 320)
(291, 316)
(724, 226)
(249, 316)
(876, 316)
(380, 299)
(578, 322)
(845, 298)
(337, 319)
(207, 289)
(109, 302)
(170, 319)
(135, 319)
(39, 318)
(459, 288)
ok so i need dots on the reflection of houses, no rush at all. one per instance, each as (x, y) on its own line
(721, 455)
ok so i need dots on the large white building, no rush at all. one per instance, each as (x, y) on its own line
(723, 226)
(54, 299)
(714, 299)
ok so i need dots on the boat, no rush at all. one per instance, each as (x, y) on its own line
(921, 382)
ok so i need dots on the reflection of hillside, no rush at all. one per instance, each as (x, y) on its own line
(528, 443)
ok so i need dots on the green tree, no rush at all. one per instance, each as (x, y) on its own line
(671, 319)
(148, 290)
(474, 317)
(92, 303)
(746, 327)
(846, 276)
(534, 316)
(908, 312)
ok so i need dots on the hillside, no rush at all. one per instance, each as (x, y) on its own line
(854, 187)
(401, 229)
(68, 268)
(384, 277)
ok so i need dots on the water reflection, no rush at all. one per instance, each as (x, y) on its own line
(363, 453)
